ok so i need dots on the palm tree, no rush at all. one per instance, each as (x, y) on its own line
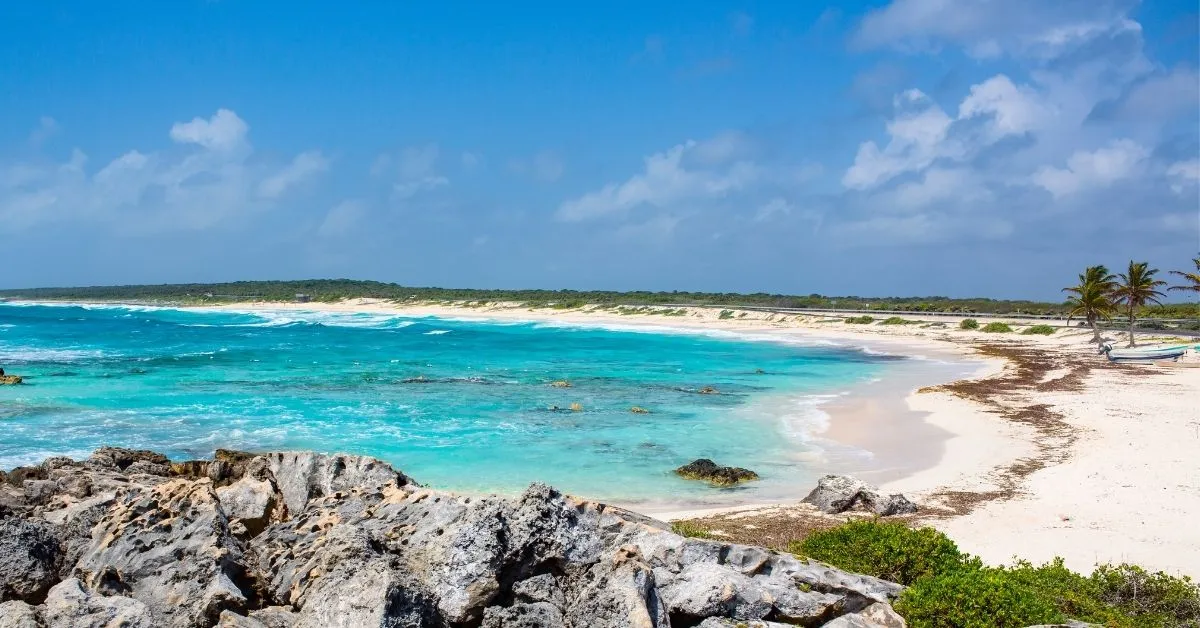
(1191, 281)
(1092, 298)
(1137, 288)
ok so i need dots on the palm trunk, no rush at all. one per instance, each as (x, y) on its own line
(1096, 333)
(1131, 341)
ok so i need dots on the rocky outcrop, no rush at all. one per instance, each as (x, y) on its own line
(713, 473)
(10, 380)
(304, 540)
(840, 493)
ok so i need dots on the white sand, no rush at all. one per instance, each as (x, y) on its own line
(1128, 490)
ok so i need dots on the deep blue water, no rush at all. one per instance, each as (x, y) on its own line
(456, 404)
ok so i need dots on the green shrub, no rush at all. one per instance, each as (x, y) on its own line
(896, 320)
(860, 320)
(888, 550)
(968, 323)
(1155, 599)
(1040, 330)
(997, 328)
(725, 314)
(985, 597)
(688, 529)
(948, 588)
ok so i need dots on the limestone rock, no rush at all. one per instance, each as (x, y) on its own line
(838, 493)
(877, 615)
(250, 502)
(122, 458)
(709, 471)
(18, 614)
(303, 475)
(10, 380)
(170, 547)
(29, 557)
(70, 606)
(149, 468)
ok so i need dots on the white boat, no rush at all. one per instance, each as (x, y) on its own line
(1147, 354)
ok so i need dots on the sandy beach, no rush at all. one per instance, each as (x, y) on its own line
(1047, 449)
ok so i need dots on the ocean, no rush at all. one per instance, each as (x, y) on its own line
(462, 405)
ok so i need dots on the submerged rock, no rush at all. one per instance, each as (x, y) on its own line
(639, 410)
(304, 540)
(10, 380)
(709, 471)
(839, 493)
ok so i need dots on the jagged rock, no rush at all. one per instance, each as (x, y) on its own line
(250, 502)
(877, 615)
(122, 458)
(639, 410)
(148, 468)
(29, 557)
(303, 475)
(19, 475)
(839, 493)
(725, 622)
(38, 492)
(170, 547)
(10, 380)
(18, 614)
(314, 540)
(709, 471)
(70, 606)
(274, 617)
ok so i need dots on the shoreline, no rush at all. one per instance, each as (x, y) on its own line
(1045, 451)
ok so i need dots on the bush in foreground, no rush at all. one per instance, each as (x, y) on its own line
(996, 328)
(968, 323)
(896, 320)
(948, 588)
(860, 320)
(1040, 330)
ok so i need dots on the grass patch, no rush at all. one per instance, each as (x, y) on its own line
(860, 320)
(690, 530)
(968, 323)
(1038, 330)
(896, 320)
(948, 588)
(725, 315)
(996, 328)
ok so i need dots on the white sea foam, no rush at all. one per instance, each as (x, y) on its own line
(38, 354)
(437, 332)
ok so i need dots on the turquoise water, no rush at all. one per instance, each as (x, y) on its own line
(461, 405)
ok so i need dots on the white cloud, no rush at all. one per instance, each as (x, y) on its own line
(774, 207)
(304, 165)
(937, 185)
(987, 29)
(222, 132)
(918, 137)
(1013, 110)
(1096, 169)
(1183, 174)
(341, 219)
(665, 181)
(412, 171)
(147, 192)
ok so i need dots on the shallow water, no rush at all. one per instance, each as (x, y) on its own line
(460, 405)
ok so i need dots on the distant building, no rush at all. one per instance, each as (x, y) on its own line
(303, 298)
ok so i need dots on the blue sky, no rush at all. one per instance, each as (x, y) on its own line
(878, 148)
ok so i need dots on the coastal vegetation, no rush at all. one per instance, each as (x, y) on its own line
(947, 587)
(1038, 330)
(331, 290)
(1091, 299)
(1191, 281)
(1136, 289)
(860, 320)
(968, 323)
(996, 328)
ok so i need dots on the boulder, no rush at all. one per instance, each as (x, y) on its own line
(122, 458)
(709, 471)
(69, 605)
(302, 475)
(29, 558)
(839, 493)
(877, 615)
(251, 503)
(170, 547)
(18, 614)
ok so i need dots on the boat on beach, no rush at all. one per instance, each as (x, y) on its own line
(1148, 354)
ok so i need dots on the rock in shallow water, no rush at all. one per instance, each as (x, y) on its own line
(709, 471)
(305, 540)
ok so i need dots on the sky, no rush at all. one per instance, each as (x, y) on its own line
(911, 147)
